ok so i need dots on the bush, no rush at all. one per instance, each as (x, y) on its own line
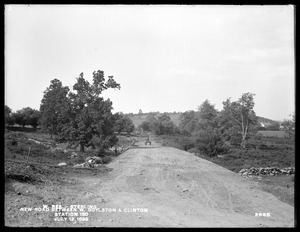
(80, 159)
(210, 142)
(106, 159)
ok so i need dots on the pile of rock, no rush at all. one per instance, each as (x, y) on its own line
(73, 155)
(272, 171)
(117, 149)
(62, 164)
(90, 162)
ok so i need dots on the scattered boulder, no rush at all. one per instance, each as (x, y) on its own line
(90, 162)
(62, 164)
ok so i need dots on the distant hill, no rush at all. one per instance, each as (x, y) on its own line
(137, 119)
(262, 119)
(175, 117)
(266, 122)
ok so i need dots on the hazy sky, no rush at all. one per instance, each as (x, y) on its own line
(166, 58)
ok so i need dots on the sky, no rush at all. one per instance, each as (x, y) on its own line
(166, 57)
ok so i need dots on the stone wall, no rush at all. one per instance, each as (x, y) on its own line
(269, 171)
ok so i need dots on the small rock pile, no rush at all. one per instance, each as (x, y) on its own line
(74, 155)
(90, 162)
(272, 171)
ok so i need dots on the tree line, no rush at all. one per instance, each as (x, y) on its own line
(211, 131)
(80, 117)
(25, 116)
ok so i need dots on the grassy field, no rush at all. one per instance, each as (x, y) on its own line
(279, 134)
(268, 151)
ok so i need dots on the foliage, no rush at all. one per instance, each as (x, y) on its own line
(208, 136)
(123, 123)
(8, 116)
(188, 122)
(106, 159)
(178, 141)
(90, 121)
(82, 117)
(274, 127)
(145, 126)
(26, 116)
(210, 142)
(238, 119)
(207, 111)
(161, 125)
(53, 107)
(289, 126)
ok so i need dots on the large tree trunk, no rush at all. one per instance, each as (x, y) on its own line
(243, 143)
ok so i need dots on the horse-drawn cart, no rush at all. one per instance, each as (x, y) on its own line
(147, 140)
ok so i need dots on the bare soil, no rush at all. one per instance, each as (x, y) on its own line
(166, 187)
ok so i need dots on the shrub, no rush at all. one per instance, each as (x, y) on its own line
(210, 142)
(106, 159)
(80, 159)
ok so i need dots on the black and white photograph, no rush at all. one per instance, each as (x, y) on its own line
(149, 116)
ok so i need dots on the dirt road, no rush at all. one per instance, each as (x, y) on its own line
(167, 187)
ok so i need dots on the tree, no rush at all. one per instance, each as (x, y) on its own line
(148, 124)
(26, 116)
(53, 106)
(206, 116)
(238, 118)
(123, 123)
(19, 118)
(188, 121)
(273, 127)
(207, 111)
(159, 125)
(8, 116)
(163, 125)
(289, 126)
(129, 126)
(33, 118)
(209, 141)
(89, 120)
(207, 132)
